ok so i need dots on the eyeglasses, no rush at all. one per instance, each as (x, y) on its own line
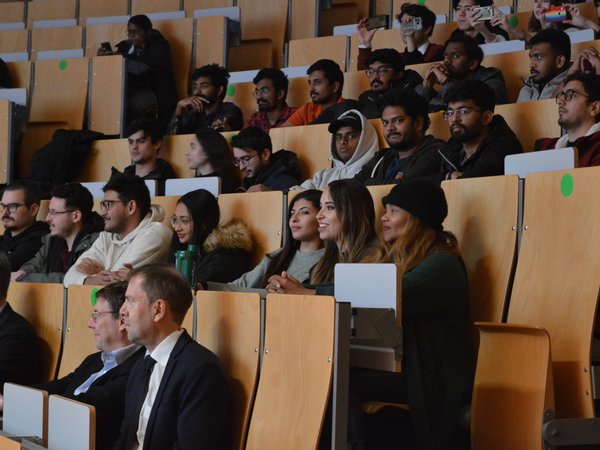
(56, 213)
(11, 207)
(96, 314)
(107, 204)
(184, 221)
(569, 94)
(243, 161)
(460, 112)
(262, 92)
(346, 137)
(380, 71)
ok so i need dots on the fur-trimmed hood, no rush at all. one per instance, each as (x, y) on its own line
(232, 235)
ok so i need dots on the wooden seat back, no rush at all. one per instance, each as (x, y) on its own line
(262, 212)
(304, 52)
(168, 203)
(229, 325)
(310, 142)
(173, 150)
(93, 8)
(210, 41)
(107, 87)
(153, 6)
(104, 155)
(42, 304)
(79, 340)
(20, 74)
(14, 41)
(12, 12)
(296, 373)
(557, 279)
(377, 193)
(50, 10)
(5, 135)
(97, 34)
(512, 389)
(487, 236)
(64, 38)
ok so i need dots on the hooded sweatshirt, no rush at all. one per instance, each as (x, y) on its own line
(365, 150)
(535, 91)
(147, 243)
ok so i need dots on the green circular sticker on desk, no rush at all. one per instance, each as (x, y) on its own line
(566, 185)
(513, 21)
(421, 2)
(62, 65)
(230, 90)
(93, 298)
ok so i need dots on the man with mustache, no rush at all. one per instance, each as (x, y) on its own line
(480, 139)
(549, 56)
(271, 88)
(325, 84)
(578, 114)
(385, 73)
(462, 61)
(205, 108)
(412, 153)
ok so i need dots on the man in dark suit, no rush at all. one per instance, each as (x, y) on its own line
(101, 378)
(19, 347)
(177, 397)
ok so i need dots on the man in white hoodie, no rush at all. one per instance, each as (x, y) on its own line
(133, 235)
(353, 144)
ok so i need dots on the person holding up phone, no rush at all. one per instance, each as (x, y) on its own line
(417, 22)
(473, 19)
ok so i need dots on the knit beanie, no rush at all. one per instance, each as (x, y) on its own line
(423, 199)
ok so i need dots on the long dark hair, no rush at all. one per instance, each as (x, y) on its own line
(217, 150)
(356, 213)
(282, 260)
(204, 211)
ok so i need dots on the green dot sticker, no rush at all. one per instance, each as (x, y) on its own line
(230, 90)
(566, 185)
(62, 65)
(513, 21)
(421, 2)
(93, 298)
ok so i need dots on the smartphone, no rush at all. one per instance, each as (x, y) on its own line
(374, 22)
(556, 14)
(106, 46)
(415, 24)
(485, 13)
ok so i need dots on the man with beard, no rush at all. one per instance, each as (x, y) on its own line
(206, 108)
(145, 138)
(480, 140)
(462, 61)
(271, 88)
(133, 235)
(578, 114)
(325, 84)
(385, 72)
(549, 56)
(412, 153)
(22, 236)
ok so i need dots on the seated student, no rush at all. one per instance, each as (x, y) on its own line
(386, 73)
(353, 143)
(480, 140)
(325, 84)
(101, 378)
(205, 108)
(22, 236)
(133, 234)
(19, 346)
(263, 169)
(271, 88)
(299, 254)
(151, 90)
(550, 56)
(467, 16)
(578, 114)
(4, 75)
(347, 225)
(462, 61)
(223, 249)
(73, 229)
(418, 48)
(178, 397)
(210, 155)
(438, 364)
(145, 138)
(411, 152)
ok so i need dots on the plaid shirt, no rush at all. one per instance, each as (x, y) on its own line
(260, 120)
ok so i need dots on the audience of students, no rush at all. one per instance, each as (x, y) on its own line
(301, 251)
(353, 144)
(223, 249)
(210, 155)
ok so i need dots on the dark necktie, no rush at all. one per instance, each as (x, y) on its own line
(133, 425)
